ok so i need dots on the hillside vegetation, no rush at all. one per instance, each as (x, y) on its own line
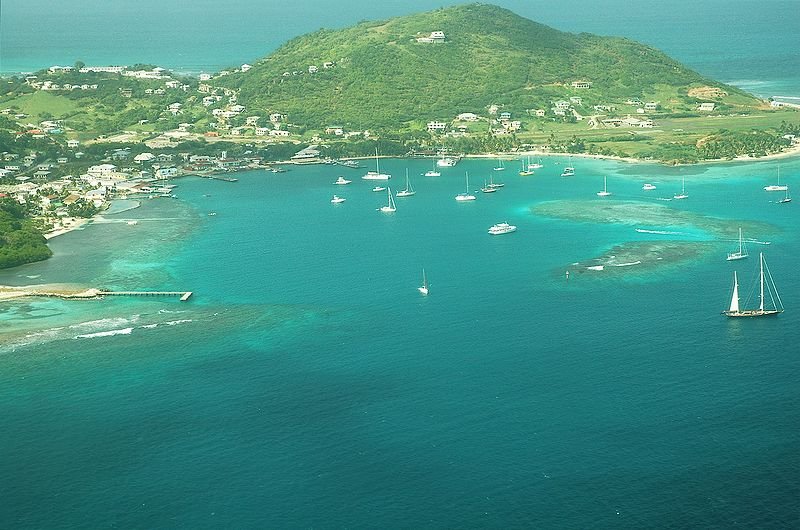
(381, 77)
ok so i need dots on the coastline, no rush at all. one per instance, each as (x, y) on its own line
(52, 290)
(68, 225)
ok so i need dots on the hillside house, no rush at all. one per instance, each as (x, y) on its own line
(435, 37)
(436, 126)
(706, 107)
(581, 84)
(650, 106)
(245, 67)
(467, 116)
(561, 105)
(262, 131)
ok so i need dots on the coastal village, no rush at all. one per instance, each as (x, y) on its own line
(64, 174)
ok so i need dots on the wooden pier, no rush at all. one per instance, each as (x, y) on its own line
(184, 295)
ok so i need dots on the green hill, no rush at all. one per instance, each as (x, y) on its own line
(379, 76)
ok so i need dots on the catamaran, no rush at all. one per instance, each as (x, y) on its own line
(390, 206)
(762, 311)
(741, 253)
(376, 175)
(466, 196)
(409, 191)
(605, 192)
(682, 194)
(424, 288)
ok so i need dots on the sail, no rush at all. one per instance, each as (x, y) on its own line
(735, 298)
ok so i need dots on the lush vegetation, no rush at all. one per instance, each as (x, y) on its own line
(382, 79)
(20, 241)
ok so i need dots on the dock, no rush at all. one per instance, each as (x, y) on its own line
(184, 295)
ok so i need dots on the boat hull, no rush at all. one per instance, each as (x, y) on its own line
(752, 313)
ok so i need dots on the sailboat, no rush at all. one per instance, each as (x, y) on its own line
(376, 175)
(535, 165)
(493, 184)
(500, 165)
(466, 196)
(777, 304)
(390, 206)
(433, 172)
(424, 288)
(787, 198)
(409, 191)
(741, 253)
(605, 192)
(526, 170)
(682, 194)
(569, 171)
(778, 186)
(488, 188)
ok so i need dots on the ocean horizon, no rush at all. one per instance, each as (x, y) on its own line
(746, 43)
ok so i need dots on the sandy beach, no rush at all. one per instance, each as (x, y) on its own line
(57, 290)
(67, 224)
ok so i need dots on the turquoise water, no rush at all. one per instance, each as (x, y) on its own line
(750, 43)
(308, 384)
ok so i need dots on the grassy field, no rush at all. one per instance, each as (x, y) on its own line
(40, 102)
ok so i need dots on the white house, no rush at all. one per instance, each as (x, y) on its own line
(101, 170)
(279, 132)
(144, 157)
(245, 67)
(436, 126)
(262, 131)
(650, 106)
(581, 84)
(252, 120)
(561, 105)
(435, 37)
(205, 77)
(467, 116)
(166, 172)
(706, 107)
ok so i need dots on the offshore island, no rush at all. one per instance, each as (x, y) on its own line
(468, 80)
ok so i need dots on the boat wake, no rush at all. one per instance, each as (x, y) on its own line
(123, 331)
(659, 232)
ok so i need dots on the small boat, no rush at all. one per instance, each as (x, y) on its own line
(131, 223)
(211, 214)
(379, 188)
(447, 161)
(787, 198)
(336, 199)
(682, 194)
(488, 188)
(605, 192)
(738, 254)
(409, 191)
(390, 206)
(502, 228)
(433, 172)
(535, 165)
(500, 165)
(778, 186)
(648, 187)
(341, 181)
(424, 288)
(776, 304)
(525, 170)
(569, 170)
(376, 175)
(466, 196)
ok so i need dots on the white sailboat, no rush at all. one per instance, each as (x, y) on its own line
(778, 186)
(376, 175)
(787, 198)
(409, 191)
(390, 206)
(741, 253)
(526, 170)
(569, 171)
(466, 196)
(682, 194)
(605, 192)
(777, 305)
(535, 165)
(433, 172)
(500, 165)
(424, 287)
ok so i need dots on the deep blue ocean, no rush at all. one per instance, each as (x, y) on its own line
(307, 384)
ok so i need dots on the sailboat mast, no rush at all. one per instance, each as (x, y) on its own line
(740, 240)
(377, 167)
(761, 258)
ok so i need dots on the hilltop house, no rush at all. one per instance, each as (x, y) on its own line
(706, 107)
(434, 37)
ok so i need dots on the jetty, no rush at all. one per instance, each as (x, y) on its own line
(72, 293)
